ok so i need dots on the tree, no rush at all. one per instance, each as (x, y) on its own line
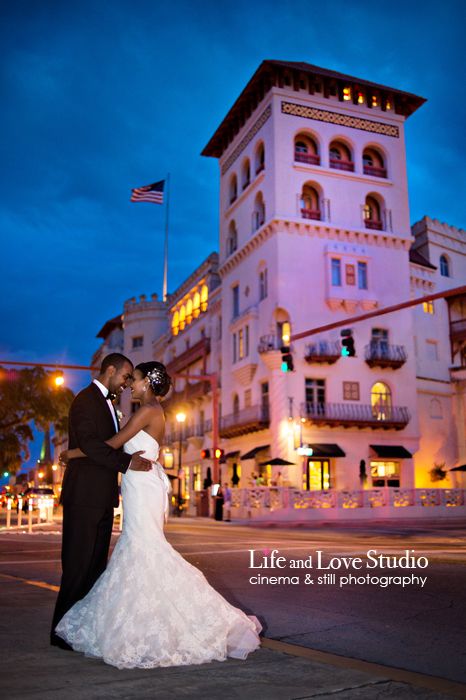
(28, 396)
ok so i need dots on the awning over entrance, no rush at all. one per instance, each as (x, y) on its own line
(326, 450)
(252, 453)
(390, 451)
(276, 462)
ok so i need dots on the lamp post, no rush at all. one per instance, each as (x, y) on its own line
(180, 417)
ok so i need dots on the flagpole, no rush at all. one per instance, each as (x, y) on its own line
(165, 252)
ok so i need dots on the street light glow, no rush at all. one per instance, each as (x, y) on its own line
(181, 417)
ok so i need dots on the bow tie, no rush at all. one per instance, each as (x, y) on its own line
(111, 397)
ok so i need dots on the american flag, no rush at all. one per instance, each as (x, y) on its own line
(149, 193)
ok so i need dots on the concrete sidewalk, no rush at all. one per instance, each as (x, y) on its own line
(33, 669)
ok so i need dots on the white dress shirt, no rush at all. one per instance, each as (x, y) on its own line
(110, 405)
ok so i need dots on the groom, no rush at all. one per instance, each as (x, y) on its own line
(90, 485)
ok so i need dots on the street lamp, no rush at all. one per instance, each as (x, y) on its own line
(180, 417)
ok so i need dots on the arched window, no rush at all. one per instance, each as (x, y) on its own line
(260, 158)
(306, 150)
(189, 311)
(340, 156)
(232, 241)
(196, 304)
(258, 214)
(373, 213)
(204, 297)
(263, 284)
(236, 404)
(182, 317)
(436, 409)
(444, 266)
(175, 323)
(381, 401)
(310, 202)
(245, 173)
(233, 188)
(373, 163)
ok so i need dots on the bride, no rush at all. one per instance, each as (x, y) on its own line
(151, 607)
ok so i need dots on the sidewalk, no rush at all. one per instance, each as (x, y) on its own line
(33, 669)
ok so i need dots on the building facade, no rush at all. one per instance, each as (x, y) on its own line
(314, 227)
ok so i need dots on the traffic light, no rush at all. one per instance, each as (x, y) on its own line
(347, 343)
(218, 453)
(205, 454)
(287, 359)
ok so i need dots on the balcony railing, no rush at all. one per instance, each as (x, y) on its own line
(324, 351)
(311, 214)
(260, 168)
(356, 415)
(246, 183)
(245, 421)
(458, 329)
(309, 158)
(374, 224)
(269, 343)
(341, 164)
(375, 171)
(384, 355)
(233, 198)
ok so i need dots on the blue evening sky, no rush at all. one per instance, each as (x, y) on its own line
(98, 97)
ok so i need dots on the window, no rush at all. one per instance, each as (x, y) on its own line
(428, 307)
(340, 156)
(236, 404)
(232, 241)
(263, 290)
(306, 150)
(246, 341)
(379, 341)
(362, 275)
(372, 214)
(385, 474)
(310, 203)
(235, 297)
(350, 275)
(444, 266)
(436, 409)
(247, 398)
(245, 174)
(240, 344)
(138, 342)
(336, 272)
(432, 350)
(233, 188)
(260, 158)
(265, 400)
(258, 214)
(351, 391)
(234, 348)
(373, 163)
(381, 401)
(315, 394)
(219, 328)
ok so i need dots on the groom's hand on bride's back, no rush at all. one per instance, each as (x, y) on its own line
(140, 464)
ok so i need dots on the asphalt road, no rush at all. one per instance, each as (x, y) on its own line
(415, 627)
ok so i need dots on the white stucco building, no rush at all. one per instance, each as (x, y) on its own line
(314, 228)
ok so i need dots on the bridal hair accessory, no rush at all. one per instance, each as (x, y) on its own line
(157, 377)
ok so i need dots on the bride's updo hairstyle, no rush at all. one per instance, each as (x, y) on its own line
(159, 379)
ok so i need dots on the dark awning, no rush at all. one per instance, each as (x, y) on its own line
(326, 450)
(276, 462)
(390, 451)
(232, 454)
(252, 453)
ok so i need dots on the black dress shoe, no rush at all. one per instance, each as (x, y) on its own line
(57, 641)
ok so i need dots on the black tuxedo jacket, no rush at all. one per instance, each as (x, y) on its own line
(92, 481)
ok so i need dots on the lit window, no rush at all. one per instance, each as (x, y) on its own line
(444, 266)
(336, 272)
(240, 344)
(204, 297)
(362, 275)
(286, 332)
(375, 101)
(360, 98)
(385, 473)
(138, 342)
(196, 304)
(182, 318)
(381, 401)
(428, 307)
(189, 311)
(175, 323)
(347, 94)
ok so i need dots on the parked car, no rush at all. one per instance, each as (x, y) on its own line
(41, 492)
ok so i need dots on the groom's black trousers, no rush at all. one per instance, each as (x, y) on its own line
(84, 554)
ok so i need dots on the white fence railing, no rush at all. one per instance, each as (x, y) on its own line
(282, 503)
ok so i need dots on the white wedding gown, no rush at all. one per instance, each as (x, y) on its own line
(151, 607)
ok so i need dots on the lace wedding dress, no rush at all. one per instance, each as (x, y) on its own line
(151, 607)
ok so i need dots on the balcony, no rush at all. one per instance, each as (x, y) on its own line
(355, 415)
(341, 164)
(323, 352)
(374, 171)
(269, 343)
(260, 168)
(197, 352)
(309, 158)
(311, 214)
(249, 420)
(384, 355)
(373, 224)
(458, 329)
